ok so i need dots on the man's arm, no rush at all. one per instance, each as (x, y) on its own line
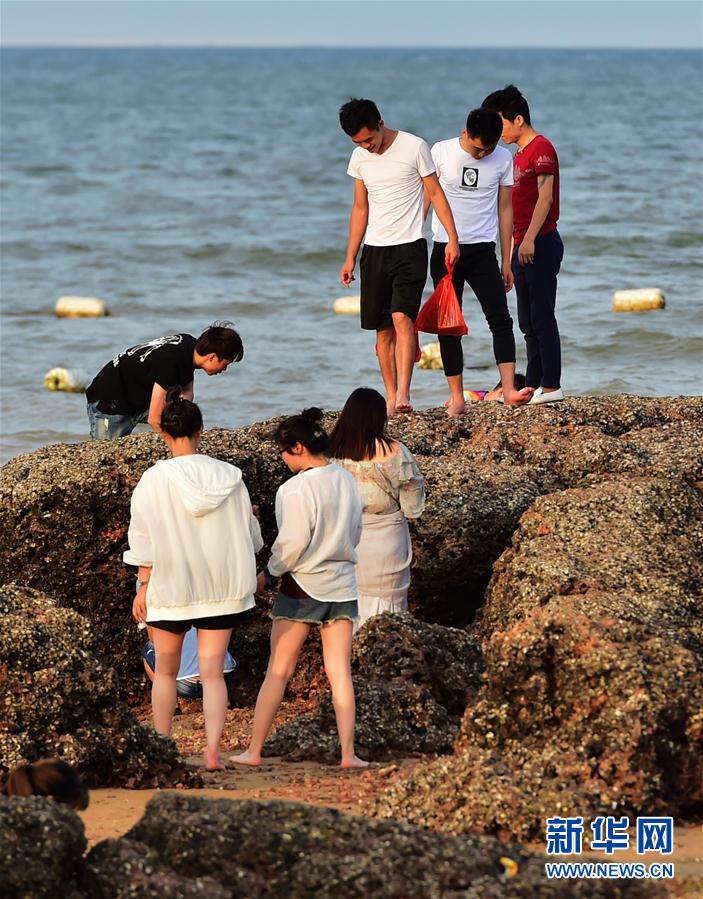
(358, 220)
(439, 202)
(505, 230)
(426, 203)
(156, 407)
(545, 197)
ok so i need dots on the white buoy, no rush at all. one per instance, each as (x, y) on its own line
(638, 300)
(347, 305)
(70, 380)
(80, 307)
(431, 357)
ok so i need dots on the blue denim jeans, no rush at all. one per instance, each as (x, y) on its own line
(102, 425)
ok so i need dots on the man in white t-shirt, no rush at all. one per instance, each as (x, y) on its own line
(391, 169)
(477, 176)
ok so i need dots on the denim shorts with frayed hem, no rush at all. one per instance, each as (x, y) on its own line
(313, 611)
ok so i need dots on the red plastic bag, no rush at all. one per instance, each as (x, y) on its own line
(441, 314)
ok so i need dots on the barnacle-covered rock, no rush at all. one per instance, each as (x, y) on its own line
(65, 508)
(592, 698)
(412, 682)
(41, 849)
(60, 700)
(264, 849)
(641, 535)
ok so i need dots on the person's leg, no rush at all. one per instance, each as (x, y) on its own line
(450, 347)
(533, 372)
(404, 359)
(287, 638)
(407, 265)
(485, 279)
(163, 690)
(212, 646)
(385, 350)
(336, 652)
(104, 426)
(542, 276)
(376, 293)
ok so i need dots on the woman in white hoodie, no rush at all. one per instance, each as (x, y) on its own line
(193, 536)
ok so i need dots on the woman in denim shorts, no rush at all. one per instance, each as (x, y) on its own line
(318, 512)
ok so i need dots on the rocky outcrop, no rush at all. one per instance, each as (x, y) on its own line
(41, 849)
(412, 682)
(266, 849)
(65, 509)
(60, 700)
(592, 699)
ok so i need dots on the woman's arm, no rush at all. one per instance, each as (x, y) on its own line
(294, 534)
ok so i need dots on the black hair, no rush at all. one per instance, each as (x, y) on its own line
(222, 340)
(361, 425)
(519, 382)
(304, 428)
(356, 114)
(486, 125)
(48, 777)
(509, 102)
(181, 417)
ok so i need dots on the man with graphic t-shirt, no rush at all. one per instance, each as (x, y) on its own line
(390, 170)
(538, 249)
(132, 387)
(476, 176)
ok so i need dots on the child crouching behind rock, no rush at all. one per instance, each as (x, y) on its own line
(318, 512)
(52, 778)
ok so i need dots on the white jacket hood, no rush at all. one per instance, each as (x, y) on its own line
(201, 482)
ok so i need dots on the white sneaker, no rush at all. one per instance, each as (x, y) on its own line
(552, 396)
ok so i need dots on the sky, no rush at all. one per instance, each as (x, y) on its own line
(352, 23)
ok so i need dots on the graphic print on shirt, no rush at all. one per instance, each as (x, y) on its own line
(469, 178)
(145, 349)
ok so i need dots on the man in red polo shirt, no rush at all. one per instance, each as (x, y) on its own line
(537, 246)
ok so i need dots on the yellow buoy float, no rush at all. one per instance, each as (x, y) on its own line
(80, 307)
(431, 357)
(638, 300)
(347, 305)
(70, 380)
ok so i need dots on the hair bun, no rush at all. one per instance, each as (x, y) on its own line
(173, 394)
(312, 414)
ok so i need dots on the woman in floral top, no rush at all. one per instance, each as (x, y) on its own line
(392, 489)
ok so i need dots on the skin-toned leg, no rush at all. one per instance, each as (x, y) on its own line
(385, 350)
(404, 358)
(163, 689)
(287, 638)
(336, 652)
(457, 403)
(212, 646)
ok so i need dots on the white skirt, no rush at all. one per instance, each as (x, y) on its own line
(383, 569)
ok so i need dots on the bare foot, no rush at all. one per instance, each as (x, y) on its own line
(390, 409)
(354, 762)
(403, 406)
(212, 761)
(246, 758)
(456, 409)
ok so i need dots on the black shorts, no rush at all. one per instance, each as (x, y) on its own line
(212, 623)
(392, 280)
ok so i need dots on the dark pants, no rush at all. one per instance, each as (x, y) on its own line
(476, 266)
(536, 287)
